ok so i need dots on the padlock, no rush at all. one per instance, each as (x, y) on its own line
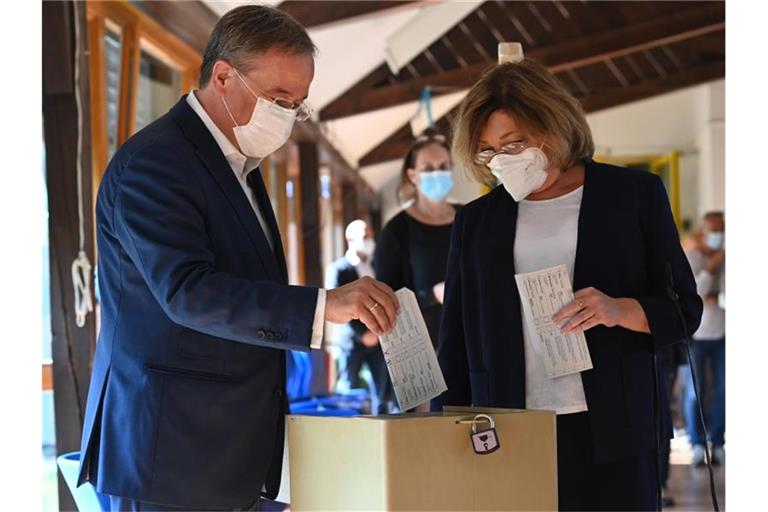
(484, 441)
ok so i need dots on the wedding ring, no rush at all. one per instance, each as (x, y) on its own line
(580, 303)
(375, 305)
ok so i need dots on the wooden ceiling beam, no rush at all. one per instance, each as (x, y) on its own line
(648, 88)
(320, 12)
(192, 22)
(583, 51)
(397, 144)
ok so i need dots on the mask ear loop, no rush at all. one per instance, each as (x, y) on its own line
(229, 112)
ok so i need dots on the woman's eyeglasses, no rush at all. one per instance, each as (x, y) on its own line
(513, 148)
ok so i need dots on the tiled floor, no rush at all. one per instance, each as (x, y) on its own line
(689, 485)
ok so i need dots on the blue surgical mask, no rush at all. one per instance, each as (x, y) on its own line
(436, 185)
(715, 240)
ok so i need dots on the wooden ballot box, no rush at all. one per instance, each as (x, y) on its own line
(423, 462)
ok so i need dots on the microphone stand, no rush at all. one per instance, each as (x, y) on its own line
(676, 301)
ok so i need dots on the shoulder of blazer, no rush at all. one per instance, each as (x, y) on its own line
(479, 206)
(612, 176)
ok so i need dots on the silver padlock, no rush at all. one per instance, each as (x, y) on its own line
(484, 441)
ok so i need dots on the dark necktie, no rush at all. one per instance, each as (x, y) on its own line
(256, 183)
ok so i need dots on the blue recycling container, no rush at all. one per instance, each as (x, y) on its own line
(86, 498)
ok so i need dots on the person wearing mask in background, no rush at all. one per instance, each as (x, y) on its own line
(357, 343)
(707, 260)
(412, 249)
(613, 229)
(186, 405)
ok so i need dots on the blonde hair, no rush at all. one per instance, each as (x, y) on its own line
(539, 104)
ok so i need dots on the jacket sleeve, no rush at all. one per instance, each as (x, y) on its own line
(452, 352)
(159, 220)
(663, 247)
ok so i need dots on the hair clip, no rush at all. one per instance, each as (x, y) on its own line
(510, 52)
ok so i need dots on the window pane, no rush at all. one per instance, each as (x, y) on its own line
(159, 89)
(112, 50)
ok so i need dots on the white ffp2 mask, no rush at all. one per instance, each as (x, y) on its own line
(520, 174)
(267, 130)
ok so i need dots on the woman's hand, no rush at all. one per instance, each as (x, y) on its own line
(592, 307)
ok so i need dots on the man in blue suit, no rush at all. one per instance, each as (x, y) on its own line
(186, 403)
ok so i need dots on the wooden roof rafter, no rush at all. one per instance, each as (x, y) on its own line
(569, 54)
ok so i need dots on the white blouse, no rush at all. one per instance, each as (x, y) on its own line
(547, 233)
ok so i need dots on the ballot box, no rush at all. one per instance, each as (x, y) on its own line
(424, 461)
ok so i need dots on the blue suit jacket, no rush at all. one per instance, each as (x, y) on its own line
(186, 402)
(626, 235)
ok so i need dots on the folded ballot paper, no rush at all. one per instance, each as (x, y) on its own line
(543, 293)
(410, 358)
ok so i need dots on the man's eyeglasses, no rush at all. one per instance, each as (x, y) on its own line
(513, 148)
(303, 111)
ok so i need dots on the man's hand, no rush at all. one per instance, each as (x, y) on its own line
(369, 339)
(370, 301)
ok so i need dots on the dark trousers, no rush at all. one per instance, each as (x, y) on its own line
(628, 484)
(120, 504)
(374, 358)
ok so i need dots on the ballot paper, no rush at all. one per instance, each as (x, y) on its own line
(410, 358)
(543, 293)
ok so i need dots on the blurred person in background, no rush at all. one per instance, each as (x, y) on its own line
(707, 259)
(357, 344)
(412, 250)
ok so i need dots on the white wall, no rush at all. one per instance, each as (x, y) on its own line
(691, 121)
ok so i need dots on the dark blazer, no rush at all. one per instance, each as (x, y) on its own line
(626, 234)
(186, 402)
(339, 273)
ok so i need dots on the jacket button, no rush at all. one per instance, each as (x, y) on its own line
(270, 335)
(260, 334)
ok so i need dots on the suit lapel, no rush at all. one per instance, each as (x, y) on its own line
(265, 205)
(213, 159)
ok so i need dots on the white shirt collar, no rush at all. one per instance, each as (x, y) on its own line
(238, 161)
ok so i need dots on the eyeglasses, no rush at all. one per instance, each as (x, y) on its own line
(303, 111)
(513, 148)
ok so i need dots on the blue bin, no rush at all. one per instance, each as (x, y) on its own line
(85, 496)
(352, 404)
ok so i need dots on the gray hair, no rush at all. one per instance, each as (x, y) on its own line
(250, 30)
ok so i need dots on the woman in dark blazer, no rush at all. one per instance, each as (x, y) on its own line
(613, 228)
